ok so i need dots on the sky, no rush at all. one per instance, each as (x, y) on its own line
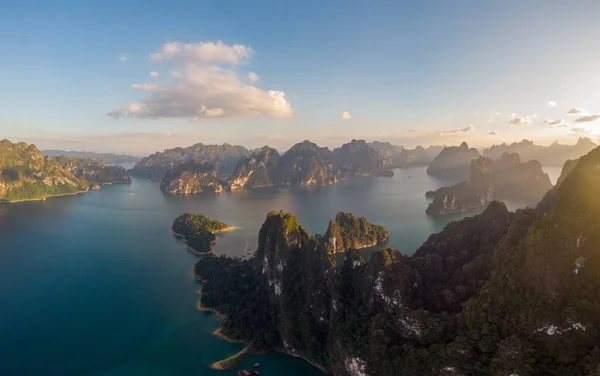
(137, 76)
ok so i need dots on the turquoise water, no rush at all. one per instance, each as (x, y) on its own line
(96, 284)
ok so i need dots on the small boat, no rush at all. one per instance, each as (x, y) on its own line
(256, 365)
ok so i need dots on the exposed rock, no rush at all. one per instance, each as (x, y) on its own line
(94, 171)
(260, 169)
(224, 158)
(347, 232)
(453, 162)
(190, 178)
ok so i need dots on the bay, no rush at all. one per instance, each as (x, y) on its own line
(95, 284)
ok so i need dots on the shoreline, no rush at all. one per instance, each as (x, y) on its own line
(195, 251)
(43, 198)
(222, 365)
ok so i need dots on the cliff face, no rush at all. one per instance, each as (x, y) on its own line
(453, 161)
(26, 174)
(191, 178)
(260, 169)
(307, 164)
(224, 157)
(553, 155)
(496, 294)
(95, 171)
(506, 178)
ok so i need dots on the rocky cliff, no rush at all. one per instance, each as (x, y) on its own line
(26, 174)
(223, 157)
(505, 179)
(260, 169)
(94, 171)
(307, 164)
(453, 162)
(190, 178)
(497, 294)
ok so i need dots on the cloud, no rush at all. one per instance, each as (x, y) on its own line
(494, 133)
(123, 59)
(520, 120)
(579, 130)
(154, 74)
(253, 77)
(202, 52)
(201, 87)
(555, 123)
(448, 132)
(551, 104)
(491, 118)
(587, 119)
(577, 111)
(346, 115)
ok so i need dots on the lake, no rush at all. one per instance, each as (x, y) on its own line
(96, 284)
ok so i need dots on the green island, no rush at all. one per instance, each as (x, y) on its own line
(347, 232)
(199, 231)
(490, 294)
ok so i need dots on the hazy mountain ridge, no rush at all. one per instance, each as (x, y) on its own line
(401, 157)
(453, 161)
(108, 158)
(504, 179)
(553, 155)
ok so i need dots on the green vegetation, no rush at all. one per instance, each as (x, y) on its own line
(25, 174)
(191, 178)
(108, 158)
(94, 171)
(347, 232)
(198, 230)
(496, 294)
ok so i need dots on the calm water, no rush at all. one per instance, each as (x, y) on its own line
(96, 284)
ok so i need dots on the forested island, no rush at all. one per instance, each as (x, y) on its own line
(401, 157)
(499, 293)
(26, 174)
(191, 178)
(504, 179)
(347, 232)
(199, 231)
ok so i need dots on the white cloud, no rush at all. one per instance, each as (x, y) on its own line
(551, 104)
(587, 119)
(346, 115)
(253, 77)
(447, 132)
(577, 111)
(579, 130)
(555, 123)
(518, 120)
(154, 74)
(491, 118)
(494, 133)
(123, 59)
(202, 88)
(202, 52)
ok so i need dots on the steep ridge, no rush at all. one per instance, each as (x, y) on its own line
(453, 162)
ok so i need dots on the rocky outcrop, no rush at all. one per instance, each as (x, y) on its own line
(260, 169)
(108, 158)
(347, 232)
(95, 172)
(553, 155)
(307, 164)
(25, 174)
(505, 179)
(224, 157)
(190, 178)
(453, 162)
